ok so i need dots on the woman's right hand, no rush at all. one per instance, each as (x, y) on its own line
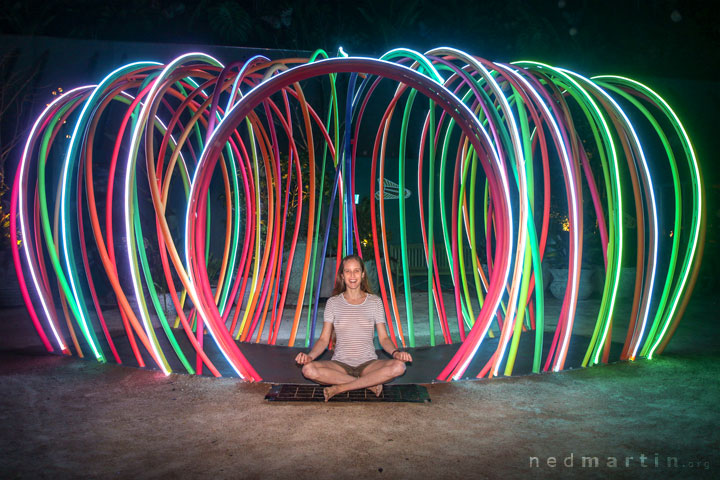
(303, 358)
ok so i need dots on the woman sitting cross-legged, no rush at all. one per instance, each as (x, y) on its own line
(353, 313)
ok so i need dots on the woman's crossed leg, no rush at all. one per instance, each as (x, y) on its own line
(373, 376)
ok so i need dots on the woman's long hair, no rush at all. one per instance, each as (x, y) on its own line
(340, 283)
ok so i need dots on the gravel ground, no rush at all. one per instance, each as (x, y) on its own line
(72, 418)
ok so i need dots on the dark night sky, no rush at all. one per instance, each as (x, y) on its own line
(665, 37)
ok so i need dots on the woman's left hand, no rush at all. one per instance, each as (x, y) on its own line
(303, 358)
(402, 356)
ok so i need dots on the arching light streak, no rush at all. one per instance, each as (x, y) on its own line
(193, 186)
(653, 213)
(22, 171)
(547, 116)
(697, 184)
(575, 260)
(523, 210)
(481, 109)
(74, 140)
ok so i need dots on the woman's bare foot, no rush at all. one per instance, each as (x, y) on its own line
(377, 389)
(328, 392)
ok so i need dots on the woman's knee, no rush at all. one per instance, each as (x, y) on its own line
(309, 370)
(397, 367)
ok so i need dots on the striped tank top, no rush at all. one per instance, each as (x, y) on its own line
(354, 328)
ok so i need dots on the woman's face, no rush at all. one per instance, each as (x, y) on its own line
(352, 273)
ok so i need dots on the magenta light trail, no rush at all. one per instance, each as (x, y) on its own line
(218, 181)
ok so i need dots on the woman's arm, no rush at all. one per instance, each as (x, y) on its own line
(319, 347)
(388, 346)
